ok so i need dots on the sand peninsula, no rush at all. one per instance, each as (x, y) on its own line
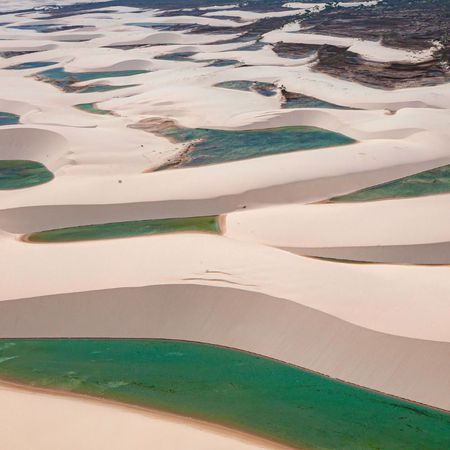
(262, 185)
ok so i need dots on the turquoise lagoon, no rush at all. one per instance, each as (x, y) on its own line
(236, 389)
(266, 89)
(206, 224)
(46, 27)
(216, 146)
(177, 56)
(224, 62)
(430, 182)
(304, 101)
(18, 174)
(65, 80)
(8, 118)
(91, 108)
(31, 65)
(187, 56)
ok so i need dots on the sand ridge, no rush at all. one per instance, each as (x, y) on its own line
(291, 306)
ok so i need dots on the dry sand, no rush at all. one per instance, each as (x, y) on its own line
(382, 326)
(56, 420)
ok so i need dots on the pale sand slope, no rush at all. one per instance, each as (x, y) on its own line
(415, 369)
(416, 232)
(409, 301)
(434, 253)
(418, 220)
(389, 324)
(53, 421)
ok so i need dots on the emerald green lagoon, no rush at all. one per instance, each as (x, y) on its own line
(217, 146)
(266, 89)
(8, 118)
(206, 224)
(91, 108)
(66, 80)
(20, 173)
(229, 387)
(435, 181)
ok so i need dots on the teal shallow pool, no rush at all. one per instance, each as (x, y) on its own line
(435, 181)
(177, 56)
(91, 108)
(216, 146)
(18, 174)
(31, 65)
(294, 100)
(103, 88)
(8, 118)
(207, 224)
(266, 89)
(66, 80)
(223, 62)
(226, 386)
(46, 27)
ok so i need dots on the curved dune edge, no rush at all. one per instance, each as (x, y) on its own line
(56, 420)
(398, 300)
(436, 253)
(46, 147)
(102, 163)
(399, 222)
(254, 192)
(412, 369)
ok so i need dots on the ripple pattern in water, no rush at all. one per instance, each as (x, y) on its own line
(230, 387)
(208, 224)
(435, 181)
(18, 174)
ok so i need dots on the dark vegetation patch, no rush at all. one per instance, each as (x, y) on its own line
(342, 63)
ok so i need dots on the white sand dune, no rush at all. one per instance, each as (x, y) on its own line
(362, 294)
(257, 287)
(249, 321)
(33, 144)
(411, 221)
